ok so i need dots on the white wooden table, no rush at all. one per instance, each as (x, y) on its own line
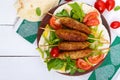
(19, 59)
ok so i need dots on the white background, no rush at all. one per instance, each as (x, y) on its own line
(19, 59)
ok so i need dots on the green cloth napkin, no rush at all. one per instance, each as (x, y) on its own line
(28, 30)
(111, 64)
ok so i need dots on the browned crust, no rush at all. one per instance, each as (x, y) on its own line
(73, 24)
(75, 54)
(73, 45)
(71, 35)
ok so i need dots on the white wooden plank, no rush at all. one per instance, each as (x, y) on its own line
(13, 44)
(7, 12)
(21, 68)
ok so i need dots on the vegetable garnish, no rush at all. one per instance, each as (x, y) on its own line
(96, 59)
(117, 8)
(82, 64)
(63, 13)
(55, 25)
(71, 66)
(54, 52)
(40, 51)
(91, 19)
(55, 64)
(38, 11)
(77, 12)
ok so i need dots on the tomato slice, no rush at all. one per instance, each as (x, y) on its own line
(100, 6)
(55, 25)
(93, 22)
(96, 59)
(54, 52)
(110, 4)
(90, 16)
(82, 64)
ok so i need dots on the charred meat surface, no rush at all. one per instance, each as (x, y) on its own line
(75, 54)
(73, 45)
(71, 35)
(73, 24)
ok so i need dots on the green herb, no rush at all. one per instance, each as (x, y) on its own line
(80, 70)
(53, 38)
(40, 51)
(77, 12)
(74, 16)
(91, 36)
(47, 53)
(55, 41)
(117, 8)
(38, 11)
(70, 65)
(55, 64)
(63, 13)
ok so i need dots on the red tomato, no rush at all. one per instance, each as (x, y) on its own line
(82, 64)
(100, 6)
(90, 16)
(110, 4)
(96, 59)
(115, 24)
(54, 24)
(93, 22)
(54, 52)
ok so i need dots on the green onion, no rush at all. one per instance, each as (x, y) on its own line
(40, 51)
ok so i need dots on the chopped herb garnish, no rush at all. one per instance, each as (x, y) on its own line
(55, 64)
(77, 12)
(38, 11)
(63, 13)
(117, 8)
(91, 36)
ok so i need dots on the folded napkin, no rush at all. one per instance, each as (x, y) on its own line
(28, 30)
(111, 64)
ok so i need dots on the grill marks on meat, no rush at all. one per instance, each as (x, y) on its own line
(75, 54)
(71, 35)
(73, 45)
(73, 24)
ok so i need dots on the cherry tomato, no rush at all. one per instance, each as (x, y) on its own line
(82, 64)
(110, 4)
(90, 16)
(96, 59)
(54, 24)
(100, 6)
(54, 52)
(93, 22)
(115, 24)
